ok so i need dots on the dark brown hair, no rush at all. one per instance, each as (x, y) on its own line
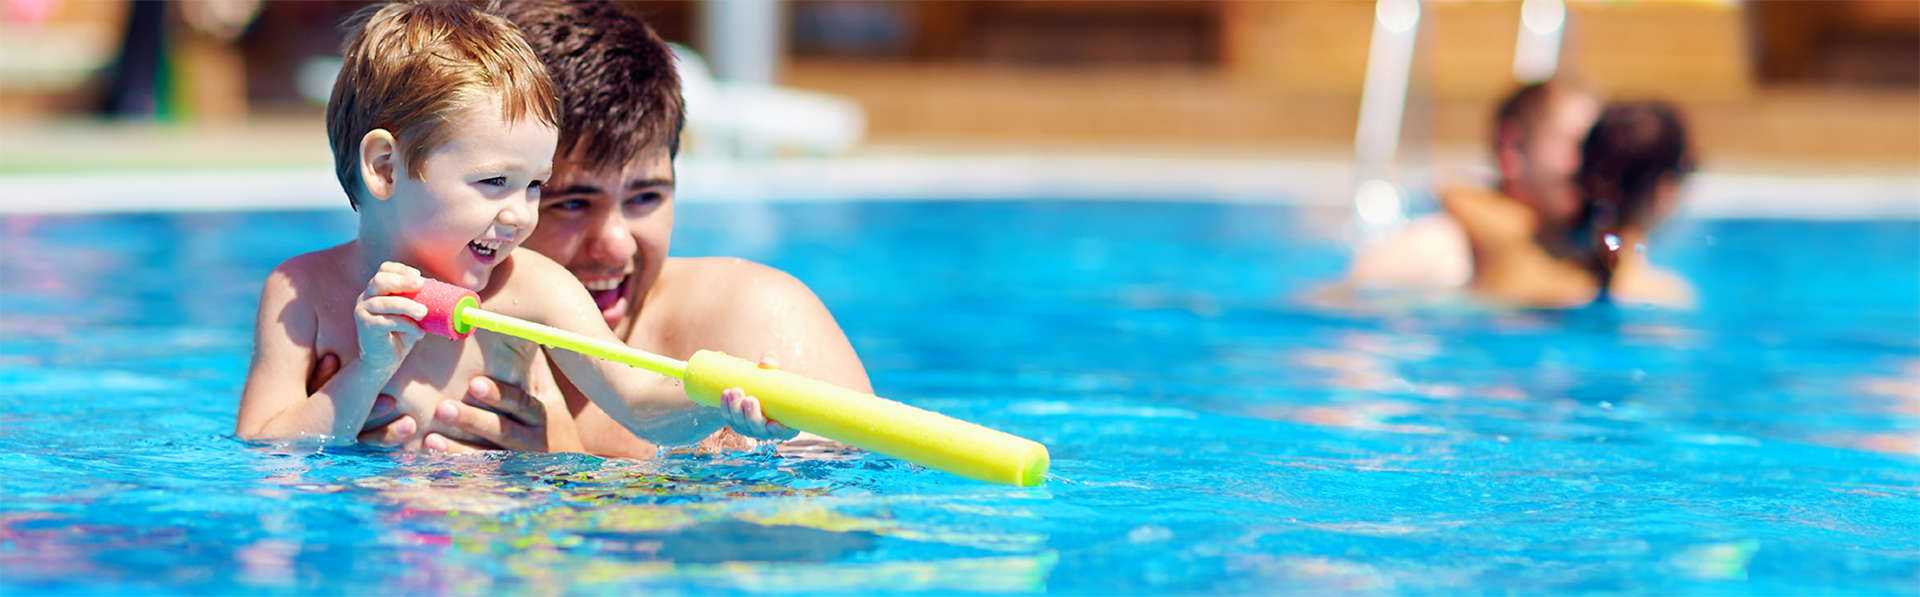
(1630, 150)
(1523, 109)
(411, 65)
(619, 92)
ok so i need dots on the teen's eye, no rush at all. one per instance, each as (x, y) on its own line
(568, 205)
(644, 199)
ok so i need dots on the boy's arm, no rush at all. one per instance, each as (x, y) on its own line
(653, 406)
(275, 403)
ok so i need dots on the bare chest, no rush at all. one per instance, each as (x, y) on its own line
(436, 369)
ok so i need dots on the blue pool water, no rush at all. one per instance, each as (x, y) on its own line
(1212, 433)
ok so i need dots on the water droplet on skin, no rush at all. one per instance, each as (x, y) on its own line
(1640, 248)
(1613, 242)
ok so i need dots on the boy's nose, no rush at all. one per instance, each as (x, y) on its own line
(519, 215)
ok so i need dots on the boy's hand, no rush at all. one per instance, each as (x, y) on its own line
(389, 325)
(743, 413)
(390, 434)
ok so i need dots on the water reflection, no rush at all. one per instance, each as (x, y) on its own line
(1220, 441)
(574, 521)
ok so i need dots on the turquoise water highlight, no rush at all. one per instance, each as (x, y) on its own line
(1211, 433)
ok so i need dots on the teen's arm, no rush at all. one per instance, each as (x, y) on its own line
(764, 311)
(513, 418)
(750, 311)
(275, 402)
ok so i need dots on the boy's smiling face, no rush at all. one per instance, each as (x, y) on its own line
(476, 199)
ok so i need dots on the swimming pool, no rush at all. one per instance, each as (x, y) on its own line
(1211, 432)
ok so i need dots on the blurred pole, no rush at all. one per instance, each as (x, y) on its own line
(212, 71)
(1378, 202)
(135, 88)
(743, 39)
(1536, 54)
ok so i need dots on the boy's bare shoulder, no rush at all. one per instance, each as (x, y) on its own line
(308, 274)
(528, 282)
(528, 270)
(303, 291)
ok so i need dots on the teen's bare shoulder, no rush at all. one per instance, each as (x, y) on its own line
(750, 310)
(731, 303)
(731, 287)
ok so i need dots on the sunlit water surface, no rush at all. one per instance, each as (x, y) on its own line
(1211, 432)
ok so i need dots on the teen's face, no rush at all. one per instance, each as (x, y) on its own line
(476, 198)
(611, 229)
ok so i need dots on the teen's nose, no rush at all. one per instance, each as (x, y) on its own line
(608, 240)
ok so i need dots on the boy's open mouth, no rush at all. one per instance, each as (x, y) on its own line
(609, 293)
(485, 250)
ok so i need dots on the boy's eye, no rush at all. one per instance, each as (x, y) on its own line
(537, 184)
(497, 181)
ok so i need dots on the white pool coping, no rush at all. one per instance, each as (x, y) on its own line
(1711, 195)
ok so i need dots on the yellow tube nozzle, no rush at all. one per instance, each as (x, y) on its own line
(468, 315)
(867, 421)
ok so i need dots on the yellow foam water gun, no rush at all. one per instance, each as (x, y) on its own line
(854, 418)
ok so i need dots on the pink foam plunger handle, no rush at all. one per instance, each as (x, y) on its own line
(443, 302)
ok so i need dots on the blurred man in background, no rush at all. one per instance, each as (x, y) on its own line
(1570, 216)
(1536, 147)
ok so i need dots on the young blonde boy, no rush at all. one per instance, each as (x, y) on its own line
(442, 123)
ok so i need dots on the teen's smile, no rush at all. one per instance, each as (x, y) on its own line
(609, 292)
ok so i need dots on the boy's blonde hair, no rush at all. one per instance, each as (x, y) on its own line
(412, 64)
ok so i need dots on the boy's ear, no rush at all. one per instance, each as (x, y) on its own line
(379, 163)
